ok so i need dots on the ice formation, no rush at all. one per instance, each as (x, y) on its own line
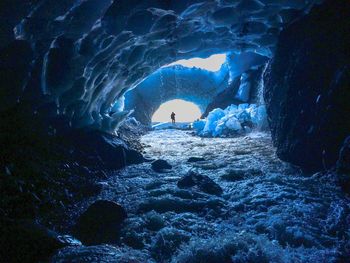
(87, 54)
(193, 84)
(232, 120)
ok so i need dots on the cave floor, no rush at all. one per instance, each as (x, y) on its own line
(268, 212)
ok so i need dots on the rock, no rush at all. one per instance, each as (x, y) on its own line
(167, 241)
(160, 165)
(133, 239)
(234, 175)
(343, 163)
(100, 223)
(195, 159)
(90, 189)
(101, 253)
(154, 221)
(203, 182)
(134, 157)
(15, 62)
(307, 87)
(343, 166)
(110, 149)
(27, 241)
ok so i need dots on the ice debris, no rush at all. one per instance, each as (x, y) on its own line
(235, 119)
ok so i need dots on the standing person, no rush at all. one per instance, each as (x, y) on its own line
(172, 116)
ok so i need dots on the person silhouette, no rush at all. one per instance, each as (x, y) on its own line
(172, 116)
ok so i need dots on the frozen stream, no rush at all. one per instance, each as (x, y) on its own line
(268, 212)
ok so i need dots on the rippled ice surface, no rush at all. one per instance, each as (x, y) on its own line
(269, 211)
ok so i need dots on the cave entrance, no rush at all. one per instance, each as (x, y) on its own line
(185, 111)
(197, 80)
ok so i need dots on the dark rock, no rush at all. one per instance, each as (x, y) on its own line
(160, 165)
(101, 253)
(134, 157)
(307, 87)
(100, 223)
(15, 62)
(195, 159)
(134, 240)
(154, 221)
(90, 189)
(187, 181)
(111, 150)
(11, 14)
(343, 166)
(240, 174)
(203, 182)
(57, 67)
(344, 182)
(167, 241)
(27, 241)
(343, 163)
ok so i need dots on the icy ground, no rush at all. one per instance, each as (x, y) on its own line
(269, 211)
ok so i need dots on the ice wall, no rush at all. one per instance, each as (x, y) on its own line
(87, 53)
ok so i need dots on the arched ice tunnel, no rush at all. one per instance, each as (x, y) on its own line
(74, 59)
(73, 72)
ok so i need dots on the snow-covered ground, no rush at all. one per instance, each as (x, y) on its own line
(268, 212)
(169, 125)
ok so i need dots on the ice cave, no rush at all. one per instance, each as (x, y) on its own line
(204, 131)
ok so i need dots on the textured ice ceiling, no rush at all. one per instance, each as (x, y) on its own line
(90, 52)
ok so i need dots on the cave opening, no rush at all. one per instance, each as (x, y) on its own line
(92, 168)
(218, 80)
(186, 112)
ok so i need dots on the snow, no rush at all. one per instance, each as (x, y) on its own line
(233, 120)
(169, 125)
(268, 212)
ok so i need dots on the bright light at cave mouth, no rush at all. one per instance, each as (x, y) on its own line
(185, 111)
(212, 63)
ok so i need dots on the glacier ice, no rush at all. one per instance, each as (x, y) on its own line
(198, 125)
(89, 53)
(212, 120)
(233, 120)
(244, 89)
